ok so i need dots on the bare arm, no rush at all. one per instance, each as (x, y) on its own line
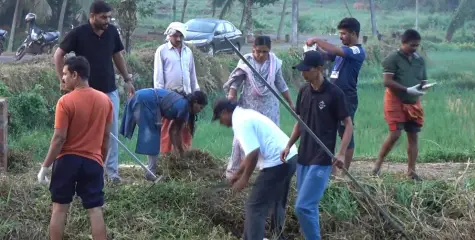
(281, 85)
(232, 94)
(158, 78)
(237, 83)
(245, 171)
(193, 81)
(287, 98)
(105, 141)
(175, 135)
(328, 47)
(391, 84)
(345, 140)
(57, 142)
(295, 135)
(58, 60)
(121, 66)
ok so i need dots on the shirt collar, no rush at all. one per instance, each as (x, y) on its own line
(89, 26)
(170, 46)
(322, 88)
(414, 55)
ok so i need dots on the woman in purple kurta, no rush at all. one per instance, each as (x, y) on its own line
(255, 94)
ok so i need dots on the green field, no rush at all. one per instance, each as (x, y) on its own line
(313, 19)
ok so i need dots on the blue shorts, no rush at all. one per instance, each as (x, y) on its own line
(75, 174)
(351, 110)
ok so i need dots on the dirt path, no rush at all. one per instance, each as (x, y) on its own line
(442, 171)
(360, 169)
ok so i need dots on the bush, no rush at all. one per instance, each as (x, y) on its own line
(33, 87)
(306, 24)
(29, 110)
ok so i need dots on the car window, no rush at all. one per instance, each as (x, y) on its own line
(220, 28)
(200, 26)
(229, 27)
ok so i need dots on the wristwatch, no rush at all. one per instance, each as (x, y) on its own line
(129, 78)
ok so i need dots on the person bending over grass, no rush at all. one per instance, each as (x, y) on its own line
(321, 105)
(403, 70)
(261, 140)
(147, 108)
(79, 145)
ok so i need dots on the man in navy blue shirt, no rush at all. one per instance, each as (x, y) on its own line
(348, 60)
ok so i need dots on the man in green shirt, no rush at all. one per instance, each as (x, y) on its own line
(404, 74)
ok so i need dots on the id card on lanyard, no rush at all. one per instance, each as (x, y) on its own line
(336, 69)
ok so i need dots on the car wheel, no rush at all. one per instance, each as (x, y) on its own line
(211, 50)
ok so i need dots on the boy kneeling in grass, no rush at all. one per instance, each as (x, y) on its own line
(79, 145)
(322, 106)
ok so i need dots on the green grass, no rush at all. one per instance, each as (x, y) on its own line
(447, 135)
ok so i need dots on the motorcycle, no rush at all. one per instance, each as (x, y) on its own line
(3, 39)
(37, 41)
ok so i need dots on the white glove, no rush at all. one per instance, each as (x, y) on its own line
(42, 179)
(414, 90)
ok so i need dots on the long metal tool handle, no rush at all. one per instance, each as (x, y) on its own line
(133, 156)
(309, 131)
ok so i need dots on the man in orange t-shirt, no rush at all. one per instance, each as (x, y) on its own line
(79, 145)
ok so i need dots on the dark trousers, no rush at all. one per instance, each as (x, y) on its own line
(270, 191)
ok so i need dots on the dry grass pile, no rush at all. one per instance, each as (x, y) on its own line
(195, 165)
(431, 210)
(19, 161)
(195, 204)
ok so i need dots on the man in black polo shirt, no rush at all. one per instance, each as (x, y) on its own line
(99, 42)
(322, 106)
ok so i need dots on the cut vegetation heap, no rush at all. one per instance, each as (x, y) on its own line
(190, 205)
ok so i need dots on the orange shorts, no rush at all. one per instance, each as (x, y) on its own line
(399, 115)
(165, 142)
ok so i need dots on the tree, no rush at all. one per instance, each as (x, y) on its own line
(226, 8)
(174, 10)
(227, 5)
(243, 14)
(216, 4)
(249, 24)
(12, 31)
(61, 17)
(184, 10)
(464, 12)
(417, 15)
(281, 23)
(127, 11)
(295, 20)
(373, 18)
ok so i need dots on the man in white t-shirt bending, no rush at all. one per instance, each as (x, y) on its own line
(262, 142)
